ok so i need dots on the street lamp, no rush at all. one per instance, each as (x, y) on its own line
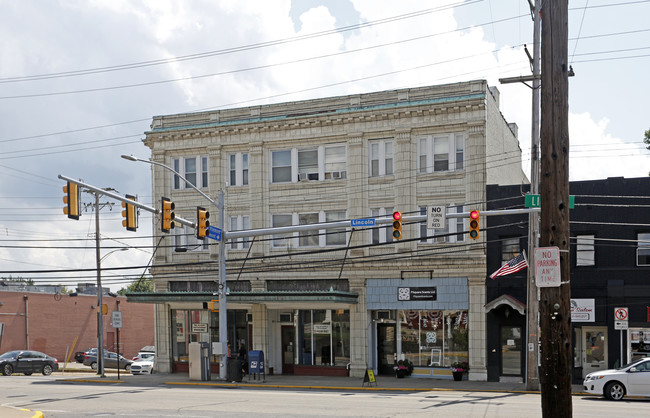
(223, 312)
(100, 306)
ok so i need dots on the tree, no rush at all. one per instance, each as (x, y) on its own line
(646, 139)
(144, 284)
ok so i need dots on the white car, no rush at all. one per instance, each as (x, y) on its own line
(633, 379)
(144, 366)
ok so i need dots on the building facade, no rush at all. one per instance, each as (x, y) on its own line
(610, 263)
(334, 301)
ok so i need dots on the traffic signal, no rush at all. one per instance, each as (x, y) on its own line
(202, 222)
(72, 201)
(130, 221)
(168, 215)
(474, 224)
(397, 225)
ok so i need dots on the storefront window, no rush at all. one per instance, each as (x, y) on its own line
(324, 337)
(434, 338)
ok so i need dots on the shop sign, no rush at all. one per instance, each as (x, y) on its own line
(416, 293)
(583, 310)
(322, 328)
(199, 327)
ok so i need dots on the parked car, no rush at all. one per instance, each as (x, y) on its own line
(147, 352)
(143, 366)
(633, 379)
(111, 361)
(27, 362)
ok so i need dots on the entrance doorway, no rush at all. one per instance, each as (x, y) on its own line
(511, 352)
(288, 348)
(386, 348)
(594, 349)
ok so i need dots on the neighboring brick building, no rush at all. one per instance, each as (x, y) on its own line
(325, 160)
(51, 322)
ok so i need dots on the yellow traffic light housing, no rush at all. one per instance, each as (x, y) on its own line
(213, 305)
(130, 215)
(202, 222)
(167, 209)
(474, 225)
(397, 225)
(72, 201)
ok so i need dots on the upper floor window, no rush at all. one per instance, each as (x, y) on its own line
(585, 251)
(454, 230)
(332, 237)
(321, 163)
(311, 238)
(308, 238)
(643, 249)
(185, 240)
(509, 249)
(278, 220)
(381, 158)
(240, 223)
(381, 234)
(238, 169)
(194, 169)
(438, 153)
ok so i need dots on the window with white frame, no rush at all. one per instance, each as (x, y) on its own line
(643, 249)
(438, 153)
(308, 238)
(381, 234)
(381, 158)
(238, 169)
(279, 220)
(585, 250)
(332, 237)
(185, 240)
(454, 230)
(240, 223)
(321, 163)
(194, 169)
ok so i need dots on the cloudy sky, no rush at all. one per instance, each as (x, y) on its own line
(81, 79)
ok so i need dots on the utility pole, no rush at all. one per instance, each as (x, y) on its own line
(100, 305)
(554, 305)
(532, 304)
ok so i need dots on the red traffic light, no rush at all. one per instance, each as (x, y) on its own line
(397, 216)
(474, 214)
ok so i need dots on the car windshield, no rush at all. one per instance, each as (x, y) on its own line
(630, 364)
(10, 354)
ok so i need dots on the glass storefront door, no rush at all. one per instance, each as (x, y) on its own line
(386, 348)
(511, 354)
(594, 349)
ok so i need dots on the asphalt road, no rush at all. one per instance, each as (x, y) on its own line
(58, 398)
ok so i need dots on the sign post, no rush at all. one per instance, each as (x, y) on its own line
(620, 323)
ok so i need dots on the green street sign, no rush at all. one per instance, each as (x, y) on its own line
(534, 201)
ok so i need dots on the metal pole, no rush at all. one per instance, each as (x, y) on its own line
(532, 305)
(100, 319)
(223, 306)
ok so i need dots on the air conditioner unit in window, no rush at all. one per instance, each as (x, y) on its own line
(336, 174)
(302, 176)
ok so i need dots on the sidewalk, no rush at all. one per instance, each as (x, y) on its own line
(80, 373)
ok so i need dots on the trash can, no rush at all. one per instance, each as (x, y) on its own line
(234, 370)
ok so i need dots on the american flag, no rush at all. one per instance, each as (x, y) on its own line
(516, 264)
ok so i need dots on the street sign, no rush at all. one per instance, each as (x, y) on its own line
(534, 201)
(436, 217)
(116, 319)
(547, 267)
(362, 222)
(621, 325)
(214, 233)
(621, 314)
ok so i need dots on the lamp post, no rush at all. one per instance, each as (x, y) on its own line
(223, 307)
(100, 302)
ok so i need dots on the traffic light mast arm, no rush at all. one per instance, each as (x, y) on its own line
(115, 196)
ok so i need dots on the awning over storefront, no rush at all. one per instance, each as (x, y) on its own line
(246, 297)
(507, 300)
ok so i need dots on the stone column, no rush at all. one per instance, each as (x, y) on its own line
(358, 330)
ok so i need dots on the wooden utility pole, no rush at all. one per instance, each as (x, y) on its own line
(554, 307)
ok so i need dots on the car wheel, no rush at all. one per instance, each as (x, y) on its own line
(47, 370)
(646, 347)
(7, 370)
(127, 367)
(93, 365)
(27, 373)
(614, 391)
